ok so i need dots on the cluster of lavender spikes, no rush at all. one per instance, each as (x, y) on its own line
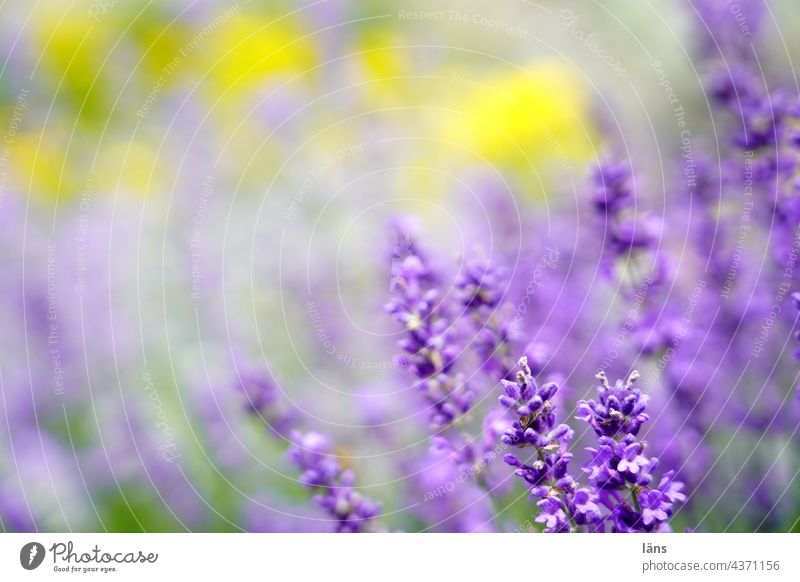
(322, 472)
(619, 497)
(430, 340)
(621, 493)
(334, 486)
(436, 338)
(563, 506)
(480, 287)
(614, 201)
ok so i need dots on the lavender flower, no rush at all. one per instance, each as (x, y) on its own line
(430, 341)
(727, 32)
(259, 396)
(613, 187)
(620, 409)
(334, 486)
(563, 506)
(620, 495)
(618, 470)
(14, 515)
(614, 200)
(481, 287)
(258, 391)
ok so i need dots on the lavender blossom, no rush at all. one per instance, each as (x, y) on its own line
(259, 396)
(430, 341)
(563, 506)
(334, 487)
(620, 409)
(620, 496)
(618, 470)
(481, 287)
(614, 201)
(727, 32)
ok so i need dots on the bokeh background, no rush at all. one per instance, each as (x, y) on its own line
(194, 208)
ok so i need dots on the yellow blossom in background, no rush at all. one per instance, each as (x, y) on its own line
(381, 63)
(53, 167)
(157, 40)
(46, 165)
(522, 121)
(522, 117)
(73, 49)
(529, 125)
(82, 72)
(89, 60)
(240, 51)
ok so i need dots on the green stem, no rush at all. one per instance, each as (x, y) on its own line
(635, 498)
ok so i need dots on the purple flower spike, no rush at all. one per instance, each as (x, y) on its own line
(618, 470)
(620, 475)
(619, 410)
(334, 487)
(548, 474)
(655, 506)
(430, 341)
(480, 288)
(613, 187)
(552, 515)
